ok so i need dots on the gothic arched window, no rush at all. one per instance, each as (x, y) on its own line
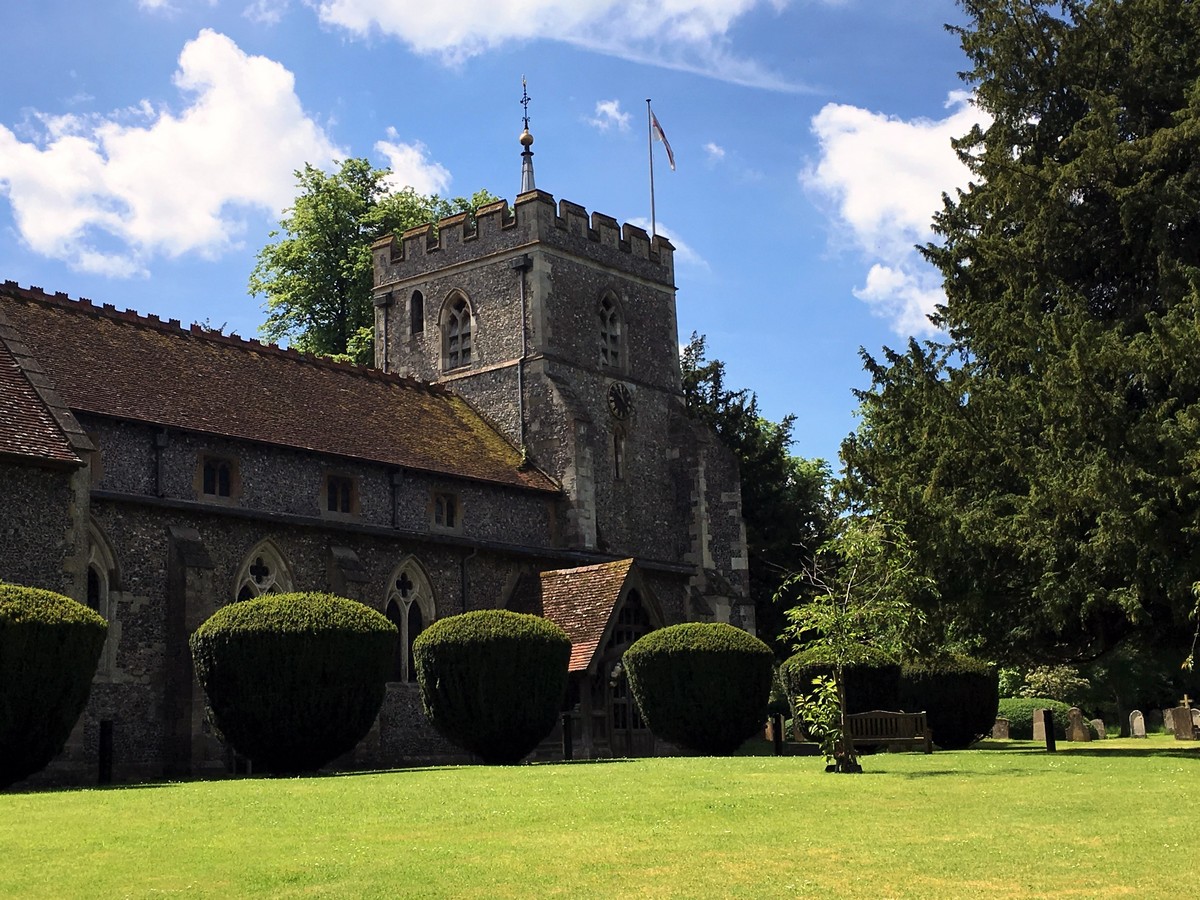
(263, 572)
(456, 333)
(410, 607)
(101, 583)
(416, 313)
(611, 352)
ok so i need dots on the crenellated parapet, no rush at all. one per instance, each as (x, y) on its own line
(534, 219)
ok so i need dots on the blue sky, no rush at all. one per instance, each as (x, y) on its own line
(147, 150)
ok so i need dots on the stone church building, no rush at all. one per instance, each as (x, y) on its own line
(522, 442)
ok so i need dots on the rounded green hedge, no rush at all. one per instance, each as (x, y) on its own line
(701, 685)
(294, 680)
(49, 648)
(872, 679)
(493, 681)
(1019, 712)
(959, 695)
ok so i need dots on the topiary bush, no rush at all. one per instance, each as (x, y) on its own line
(1019, 712)
(701, 685)
(49, 648)
(493, 681)
(959, 695)
(872, 679)
(294, 680)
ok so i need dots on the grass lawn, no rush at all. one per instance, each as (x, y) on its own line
(1113, 818)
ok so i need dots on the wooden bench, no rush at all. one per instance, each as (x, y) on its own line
(895, 729)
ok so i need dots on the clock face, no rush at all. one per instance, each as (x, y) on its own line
(620, 400)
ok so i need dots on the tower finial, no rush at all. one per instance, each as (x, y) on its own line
(526, 142)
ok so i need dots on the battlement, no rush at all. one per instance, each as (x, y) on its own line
(534, 219)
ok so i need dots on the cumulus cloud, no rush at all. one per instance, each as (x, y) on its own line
(609, 114)
(884, 178)
(411, 166)
(107, 193)
(688, 35)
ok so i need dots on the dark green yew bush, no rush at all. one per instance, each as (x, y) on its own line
(294, 680)
(493, 681)
(959, 695)
(49, 648)
(872, 679)
(1019, 712)
(701, 685)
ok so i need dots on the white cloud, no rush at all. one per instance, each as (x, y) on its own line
(411, 168)
(106, 194)
(688, 35)
(715, 152)
(608, 114)
(266, 12)
(683, 251)
(885, 177)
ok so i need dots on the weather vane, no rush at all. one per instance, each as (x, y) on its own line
(525, 101)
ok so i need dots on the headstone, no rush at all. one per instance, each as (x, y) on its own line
(1077, 730)
(1196, 718)
(1137, 724)
(1169, 721)
(1154, 721)
(1039, 725)
(1101, 733)
(1184, 729)
(1000, 729)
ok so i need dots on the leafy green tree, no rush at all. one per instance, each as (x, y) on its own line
(785, 499)
(1043, 455)
(862, 582)
(317, 276)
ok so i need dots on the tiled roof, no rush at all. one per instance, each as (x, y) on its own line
(27, 428)
(580, 601)
(148, 370)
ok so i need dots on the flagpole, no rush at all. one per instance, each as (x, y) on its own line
(650, 148)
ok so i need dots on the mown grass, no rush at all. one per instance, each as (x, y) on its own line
(1114, 818)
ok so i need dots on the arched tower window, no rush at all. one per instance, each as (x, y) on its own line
(457, 348)
(416, 313)
(410, 607)
(263, 572)
(612, 354)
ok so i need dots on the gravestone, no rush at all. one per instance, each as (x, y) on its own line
(1101, 733)
(1184, 729)
(1154, 721)
(1195, 718)
(1169, 721)
(1077, 730)
(1039, 725)
(1000, 729)
(1137, 724)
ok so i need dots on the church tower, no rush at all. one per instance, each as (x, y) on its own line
(560, 328)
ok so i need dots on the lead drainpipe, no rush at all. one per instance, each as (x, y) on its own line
(521, 265)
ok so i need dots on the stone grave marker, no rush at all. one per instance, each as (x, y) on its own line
(1039, 725)
(1077, 730)
(1137, 724)
(1101, 733)
(1196, 718)
(1000, 729)
(1181, 719)
(1168, 721)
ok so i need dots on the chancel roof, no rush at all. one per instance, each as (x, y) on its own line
(143, 369)
(580, 601)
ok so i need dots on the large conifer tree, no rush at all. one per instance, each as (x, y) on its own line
(1046, 456)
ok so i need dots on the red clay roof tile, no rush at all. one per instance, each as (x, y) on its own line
(580, 601)
(144, 369)
(27, 428)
